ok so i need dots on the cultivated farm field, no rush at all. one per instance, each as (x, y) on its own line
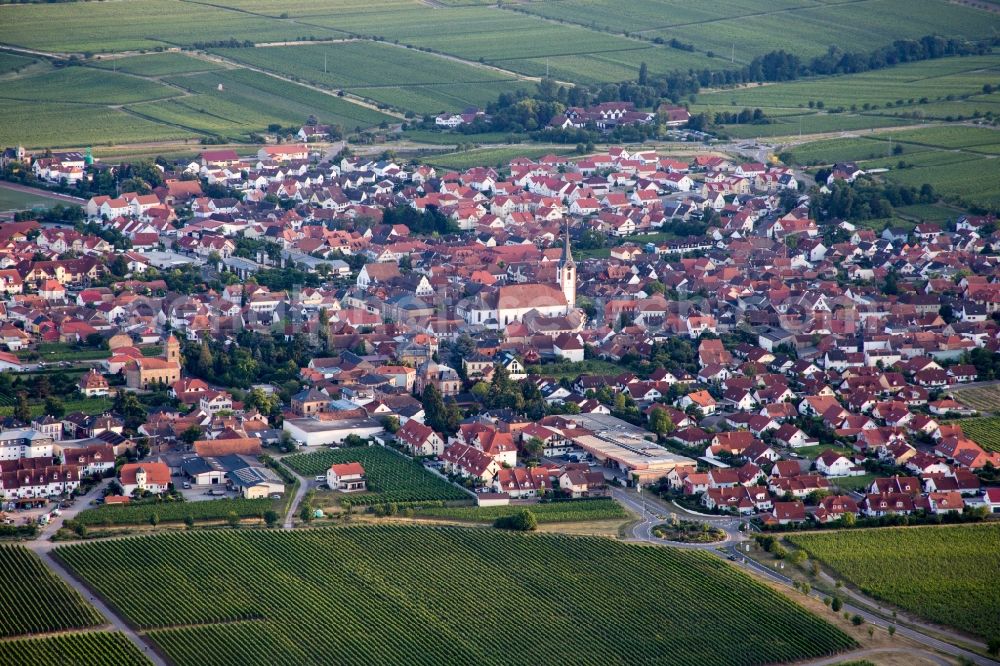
(959, 160)
(157, 64)
(984, 431)
(391, 75)
(84, 85)
(982, 398)
(549, 512)
(25, 582)
(250, 101)
(137, 24)
(173, 512)
(804, 27)
(391, 477)
(395, 594)
(79, 125)
(944, 574)
(99, 648)
(933, 79)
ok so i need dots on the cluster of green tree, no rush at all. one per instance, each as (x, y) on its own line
(283, 279)
(130, 409)
(50, 388)
(442, 416)
(704, 121)
(504, 393)
(928, 47)
(232, 43)
(428, 221)
(866, 199)
(781, 65)
(987, 363)
(113, 236)
(249, 248)
(255, 358)
(58, 214)
(522, 521)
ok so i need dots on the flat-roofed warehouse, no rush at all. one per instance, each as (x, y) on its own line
(620, 445)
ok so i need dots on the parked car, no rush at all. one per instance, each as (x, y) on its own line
(186, 486)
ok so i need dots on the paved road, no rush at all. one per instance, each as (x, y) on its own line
(923, 639)
(43, 546)
(654, 512)
(294, 504)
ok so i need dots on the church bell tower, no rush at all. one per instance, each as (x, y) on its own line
(567, 273)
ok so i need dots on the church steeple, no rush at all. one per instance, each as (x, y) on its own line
(567, 253)
(567, 272)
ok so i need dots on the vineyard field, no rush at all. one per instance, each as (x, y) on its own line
(157, 64)
(933, 79)
(402, 594)
(943, 574)
(816, 123)
(799, 26)
(249, 102)
(553, 512)
(109, 27)
(79, 125)
(985, 432)
(87, 649)
(982, 398)
(26, 583)
(395, 76)
(84, 85)
(391, 477)
(172, 512)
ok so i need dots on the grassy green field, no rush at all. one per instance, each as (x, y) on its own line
(943, 574)
(405, 595)
(814, 123)
(76, 101)
(10, 62)
(98, 648)
(390, 476)
(487, 156)
(157, 64)
(15, 200)
(552, 512)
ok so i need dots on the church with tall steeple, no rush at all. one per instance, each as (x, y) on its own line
(566, 273)
(509, 303)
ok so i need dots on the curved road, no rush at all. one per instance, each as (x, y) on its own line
(654, 512)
